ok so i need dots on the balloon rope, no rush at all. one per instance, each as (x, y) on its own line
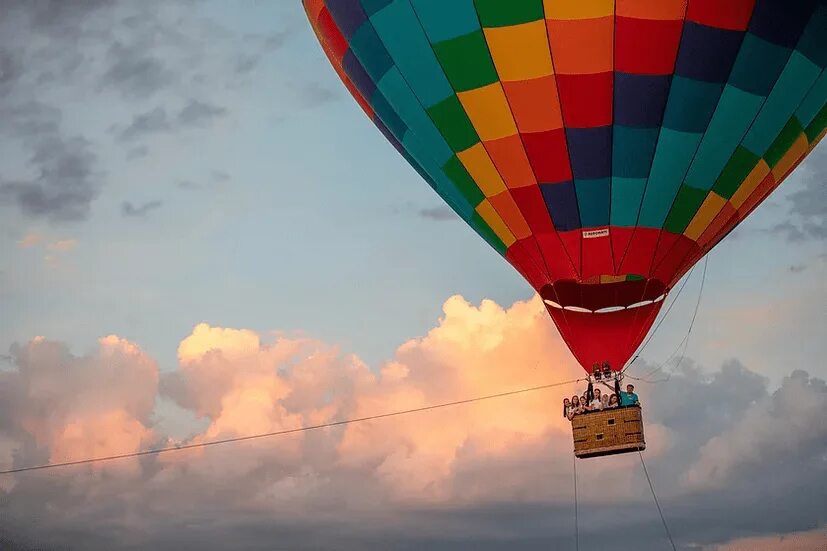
(660, 511)
(157, 451)
(576, 525)
(669, 308)
(684, 344)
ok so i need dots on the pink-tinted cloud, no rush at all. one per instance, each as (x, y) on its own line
(245, 386)
(29, 240)
(517, 450)
(62, 245)
(814, 540)
(59, 407)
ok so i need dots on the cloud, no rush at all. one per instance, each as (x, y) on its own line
(438, 213)
(58, 407)
(311, 95)
(135, 72)
(62, 245)
(808, 205)
(32, 240)
(188, 185)
(65, 183)
(156, 121)
(219, 176)
(9, 68)
(60, 61)
(214, 180)
(140, 211)
(790, 421)
(262, 46)
(485, 475)
(149, 122)
(815, 540)
(196, 113)
(29, 240)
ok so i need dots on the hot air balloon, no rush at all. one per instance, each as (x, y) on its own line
(602, 147)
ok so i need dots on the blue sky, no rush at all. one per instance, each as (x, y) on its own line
(166, 164)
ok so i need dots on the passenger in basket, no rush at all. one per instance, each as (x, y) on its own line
(566, 407)
(575, 407)
(629, 398)
(604, 400)
(596, 404)
(613, 401)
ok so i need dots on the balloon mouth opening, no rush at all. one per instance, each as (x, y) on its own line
(603, 294)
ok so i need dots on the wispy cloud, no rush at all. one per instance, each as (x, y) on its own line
(139, 211)
(197, 113)
(114, 54)
(213, 180)
(156, 121)
(65, 183)
(29, 240)
(813, 540)
(438, 213)
(808, 205)
(311, 95)
(63, 245)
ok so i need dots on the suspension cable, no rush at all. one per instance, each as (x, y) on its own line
(660, 511)
(685, 341)
(683, 346)
(576, 525)
(662, 318)
(158, 451)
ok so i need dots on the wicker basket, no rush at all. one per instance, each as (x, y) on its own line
(607, 432)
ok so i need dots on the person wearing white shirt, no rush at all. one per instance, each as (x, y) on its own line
(596, 403)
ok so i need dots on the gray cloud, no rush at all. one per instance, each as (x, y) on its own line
(51, 16)
(219, 176)
(65, 184)
(196, 113)
(247, 62)
(155, 121)
(438, 213)
(312, 95)
(188, 184)
(105, 51)
(134, 72)
(9, 68)
(214, 180)
(146, 123)
(779, 429)
(139, 211)
(138, 152)
(808, 205)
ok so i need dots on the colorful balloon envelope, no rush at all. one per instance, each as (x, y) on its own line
(602, 147)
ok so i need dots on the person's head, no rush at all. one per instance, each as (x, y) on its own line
(605, 398)
(630, 388)
(575, 400)
(597, 393)
(613, 399)
(566, 402)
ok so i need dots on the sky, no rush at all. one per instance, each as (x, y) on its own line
(202, 236)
